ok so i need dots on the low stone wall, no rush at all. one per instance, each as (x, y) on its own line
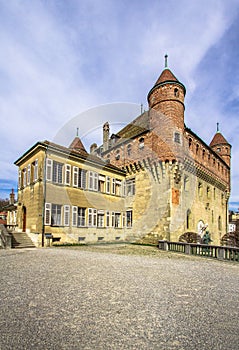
(212, 251)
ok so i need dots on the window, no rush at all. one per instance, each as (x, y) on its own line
(19, 179)
(203, 153)
(47, 214)
(79, 178)
(74, 216)
(35, 170)
(189, 219)
(141, 143)
(117, 220)
(190, 143)
(101, 183)
(56, 214)
(112, 219)
(113, 186)
(81, 217)
(118, 184)
(129, 150)
(49, 169)
(67, 174)
(100, 218)
(176, 92)
(107, 219)
(117, 156)
(28, 174)
(208, 192)
(218, 149)
(92, 217)
(186, 183)
(129, 218)
(107, 184)
(219, 223)
(93, 181)
(177, 137)
(66, 215)
(200, 189)
(57, 172)
(197, 148)
(130, 187)
(24, 177)
(123, 219)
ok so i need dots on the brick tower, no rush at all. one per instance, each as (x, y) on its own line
(167, 97)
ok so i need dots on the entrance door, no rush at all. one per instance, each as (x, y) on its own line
(24, 219)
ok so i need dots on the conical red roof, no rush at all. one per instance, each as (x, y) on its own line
(218, 139)
(77, 145)
(166, 75)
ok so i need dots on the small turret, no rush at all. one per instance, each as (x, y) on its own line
(106, 133)
(76, 144)
(220, 145)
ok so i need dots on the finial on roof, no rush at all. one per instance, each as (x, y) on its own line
(166, 61)
(77, 132)
(217, 127)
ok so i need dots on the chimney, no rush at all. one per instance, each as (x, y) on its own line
(93, 147)
(106, 133)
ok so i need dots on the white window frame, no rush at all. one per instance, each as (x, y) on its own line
(75, 176)
(113, 186)
(67, 174)
(48, 169)
(74, 215)
(92, 217)
(81, 217)
(107, 184)
(107, 224)
(35, 173)
(47, 214)
(24, 177)
(28, 174)
(130, 224)
(66, 215)
(112, 219)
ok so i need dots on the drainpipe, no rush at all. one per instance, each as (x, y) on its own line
(43, 202)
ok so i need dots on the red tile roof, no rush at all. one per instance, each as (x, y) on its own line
(218, 139)
(77, 145)
(166, 75)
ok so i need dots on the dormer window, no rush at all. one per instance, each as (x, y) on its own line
(141, 143)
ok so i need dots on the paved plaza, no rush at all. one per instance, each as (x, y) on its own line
(97, 299)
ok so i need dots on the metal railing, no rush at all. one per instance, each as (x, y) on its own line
(212, 251)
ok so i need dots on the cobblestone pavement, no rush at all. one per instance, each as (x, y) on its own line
(98, 299)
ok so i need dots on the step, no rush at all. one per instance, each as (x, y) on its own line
(21, 240)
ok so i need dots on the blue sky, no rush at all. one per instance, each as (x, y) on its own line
(60, 58)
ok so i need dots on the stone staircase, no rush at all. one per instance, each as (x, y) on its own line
(21, 240)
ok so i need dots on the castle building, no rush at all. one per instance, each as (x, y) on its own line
(154, 178)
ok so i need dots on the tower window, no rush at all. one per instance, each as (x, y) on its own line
(197, 148)
(190, 143)
(117, 156)
(176, 92)
(203, 153)
(177, 137)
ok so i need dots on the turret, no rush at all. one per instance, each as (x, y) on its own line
(106, 132)
(167, 97)
(220, 145)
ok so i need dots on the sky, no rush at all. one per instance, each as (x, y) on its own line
(61, 58)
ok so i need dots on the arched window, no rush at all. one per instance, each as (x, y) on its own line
(200, 189)
(190, 143)
(197, 148)
(203, 153)
(208, 192)
(129, 149)
(189, 219)
(219, 223)
(176, 92)
(117, 156)
(141, 143)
